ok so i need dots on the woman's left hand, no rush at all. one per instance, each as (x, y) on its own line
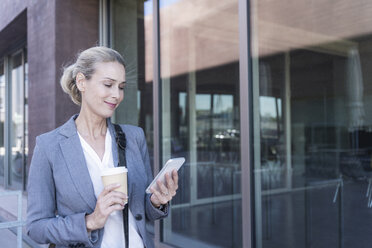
(165, 192)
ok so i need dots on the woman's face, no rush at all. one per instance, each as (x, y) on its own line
(103, 93)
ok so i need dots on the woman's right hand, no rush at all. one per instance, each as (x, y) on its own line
(108, 201)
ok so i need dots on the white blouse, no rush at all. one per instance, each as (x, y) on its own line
(113, 236)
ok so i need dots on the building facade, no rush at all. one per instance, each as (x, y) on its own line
(267, 101)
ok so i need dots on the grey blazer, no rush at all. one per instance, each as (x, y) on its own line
(60, 191)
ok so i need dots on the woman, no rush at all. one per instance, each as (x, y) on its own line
(67, 203)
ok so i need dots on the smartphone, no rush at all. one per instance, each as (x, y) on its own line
(170, 165)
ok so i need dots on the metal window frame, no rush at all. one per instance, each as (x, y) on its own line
(3, 63)
(7, 124)
(246, 127)
(103, 23)
(156, 104)
(24, 160)
(105, 29)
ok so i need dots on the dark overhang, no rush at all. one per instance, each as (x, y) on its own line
(14, 35)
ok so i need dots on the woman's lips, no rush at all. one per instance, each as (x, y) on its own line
(111, 105)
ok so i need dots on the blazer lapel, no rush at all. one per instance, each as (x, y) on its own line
(76, 164)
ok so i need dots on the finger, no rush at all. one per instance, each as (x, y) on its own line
(161, 198)
(116, 207)
(154, 199)
(112, 200)
(109, 188)
(172, 193)
(165, 192)
(117, 194)
(171, 185)
(169, 180)
(175, 179)
(162, 188)
(106, 198)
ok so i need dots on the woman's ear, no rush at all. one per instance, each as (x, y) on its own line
(80, 81)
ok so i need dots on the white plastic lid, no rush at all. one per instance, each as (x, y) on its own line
(113, 171)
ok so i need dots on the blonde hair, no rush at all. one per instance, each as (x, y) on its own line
(85, 63)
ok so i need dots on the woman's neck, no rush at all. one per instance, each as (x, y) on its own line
(90, 125)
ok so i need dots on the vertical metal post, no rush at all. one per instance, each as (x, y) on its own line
(340, 214)
(245, 74)
(166, 133)
(103, 23)
(23, 139)
(19, 228)
(255, 138)
(7, 124)
(308, 217)
(18, 223)
(192, 136)
(287, 120)
(156, 99)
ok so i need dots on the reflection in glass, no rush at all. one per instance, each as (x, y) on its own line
(199, 64)
(25, 136)
(131, 35)
(131, 28)
(17, 123)
(312, 126)
(2, 121)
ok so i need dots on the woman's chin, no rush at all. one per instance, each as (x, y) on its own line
(105, 114)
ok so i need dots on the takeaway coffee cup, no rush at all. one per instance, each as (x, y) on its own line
(116, 175)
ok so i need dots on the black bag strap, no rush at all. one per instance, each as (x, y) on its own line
(121, 142)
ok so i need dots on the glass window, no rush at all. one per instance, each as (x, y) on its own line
(131, 31)
(17, 154)
(25, 137)
(2, 121)
(199, 64)
(131, 35)
(312, 127)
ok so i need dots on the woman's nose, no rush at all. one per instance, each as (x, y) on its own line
(115, 92)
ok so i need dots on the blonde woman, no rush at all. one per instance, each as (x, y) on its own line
(67, 203)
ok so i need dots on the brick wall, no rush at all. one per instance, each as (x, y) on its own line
(56, 30)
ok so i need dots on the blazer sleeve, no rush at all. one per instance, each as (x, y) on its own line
(43, 225)
(152, 213)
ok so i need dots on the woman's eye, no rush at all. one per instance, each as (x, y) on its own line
(108, 85)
